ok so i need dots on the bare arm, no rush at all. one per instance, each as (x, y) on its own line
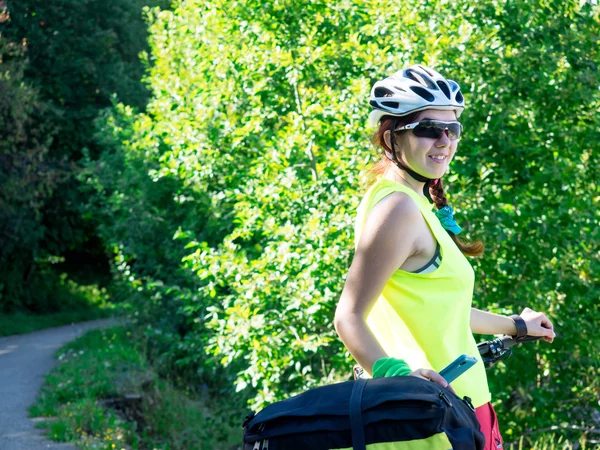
(359, 340)
(483, 322)
(488, 323)
(387, 240)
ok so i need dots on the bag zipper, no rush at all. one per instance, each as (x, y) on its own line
(444, 397)
(467, 401)
(265, 445)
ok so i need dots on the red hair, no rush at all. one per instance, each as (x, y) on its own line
(436, 189)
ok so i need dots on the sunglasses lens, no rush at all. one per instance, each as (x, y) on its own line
(435, 130)
(454, 131)
(428, 131)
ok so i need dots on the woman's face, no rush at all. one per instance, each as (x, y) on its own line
(416, 152)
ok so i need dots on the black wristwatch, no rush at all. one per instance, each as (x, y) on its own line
(521, 326)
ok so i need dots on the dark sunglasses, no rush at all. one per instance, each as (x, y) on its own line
(434, 129)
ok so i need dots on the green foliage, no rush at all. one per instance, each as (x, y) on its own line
(138, 216)
(531, 188)
(258, 123)
(26, 178)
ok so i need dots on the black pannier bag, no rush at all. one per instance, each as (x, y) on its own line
(396, 413)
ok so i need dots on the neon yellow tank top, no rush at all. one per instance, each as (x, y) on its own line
(424, 318)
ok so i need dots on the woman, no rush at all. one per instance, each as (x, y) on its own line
(406, 305)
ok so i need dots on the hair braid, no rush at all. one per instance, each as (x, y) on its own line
(436, 190)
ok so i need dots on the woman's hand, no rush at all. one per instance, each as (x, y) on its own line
(538, 324)
(431, 375)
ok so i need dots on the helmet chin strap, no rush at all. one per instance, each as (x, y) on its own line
(408, 170)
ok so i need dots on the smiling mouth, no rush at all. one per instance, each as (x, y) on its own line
(438, 158)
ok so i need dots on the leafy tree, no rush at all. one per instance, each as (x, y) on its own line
(62, 61)
(27, 177)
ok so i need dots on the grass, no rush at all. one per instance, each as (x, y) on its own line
(71, 303)
(105, 364)
(26, 323)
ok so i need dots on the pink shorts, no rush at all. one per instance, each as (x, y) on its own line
(489, 426)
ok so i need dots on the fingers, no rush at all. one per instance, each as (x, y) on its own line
(538, 324)
(435, 377)
(546, 333)
(546, 322)
(432, 375)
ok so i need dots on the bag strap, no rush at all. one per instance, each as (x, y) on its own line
(356, 423)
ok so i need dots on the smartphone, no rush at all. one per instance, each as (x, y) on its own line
(457, 367)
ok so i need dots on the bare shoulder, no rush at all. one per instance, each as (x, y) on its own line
(398, 209)
(392, 223)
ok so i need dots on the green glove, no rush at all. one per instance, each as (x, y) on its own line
(390, 367)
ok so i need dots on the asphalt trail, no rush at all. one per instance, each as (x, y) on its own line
(24, 361)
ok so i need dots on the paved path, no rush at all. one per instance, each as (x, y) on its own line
(24, 360)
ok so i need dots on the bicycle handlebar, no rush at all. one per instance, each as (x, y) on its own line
(500, 348)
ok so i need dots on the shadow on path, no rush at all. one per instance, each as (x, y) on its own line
(24, 361)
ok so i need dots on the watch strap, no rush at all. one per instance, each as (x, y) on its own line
(521, 326)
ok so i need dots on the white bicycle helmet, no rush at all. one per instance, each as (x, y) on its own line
(414, 89)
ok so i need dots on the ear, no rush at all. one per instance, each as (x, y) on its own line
(387, 138)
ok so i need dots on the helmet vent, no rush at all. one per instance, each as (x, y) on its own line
(399, 88)
(421, 78)
(383, 92)
(409, 74)
(453, 85)
(459, 97)
(394, 105)
(422, 93)
(425, 69)
(444, 87)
